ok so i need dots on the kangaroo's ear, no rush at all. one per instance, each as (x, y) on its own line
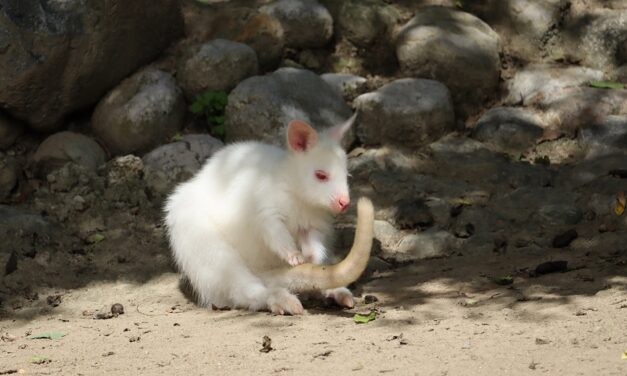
(301, 136)
(337, 132)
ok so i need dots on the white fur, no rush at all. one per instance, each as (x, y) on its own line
(253, 208)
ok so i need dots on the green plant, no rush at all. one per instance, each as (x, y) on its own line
(211, 104)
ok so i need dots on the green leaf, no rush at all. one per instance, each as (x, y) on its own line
(95, 238)
(177, 137)
(48, 335)
(218, 130)
(503, 281)
(607, 85)
(459, 4)
(363, 319)
(38, 359)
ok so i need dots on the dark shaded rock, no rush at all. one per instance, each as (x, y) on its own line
(306, 23)
(140, 113)
(60, 56)
(9, 131)
(406, 112)
(217, 65)
(564, 239)
(63, 147)
(508, 129)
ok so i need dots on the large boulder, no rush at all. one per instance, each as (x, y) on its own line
(60, 56)
(509, 129)
(453, 47)
(260, 107)
(364, 22)
(307, 23)
(216, 65)
(140, 113)
(64, 147)
(407, 112)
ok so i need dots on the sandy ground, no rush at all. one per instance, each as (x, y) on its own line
(436, 317)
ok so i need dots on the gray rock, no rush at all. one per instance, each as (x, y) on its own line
(174, 162)
(424, 245)
(509, 129)
(306, 23)
(543, 81)
(525, 26)
(593, 35)
(455, 48)
(560, 214)
(605, 138)
(589, 171)
(15, 221)
(216, 65)
(363, 22)
(407, 112)
(260, 107)
(63, 147)
(387, 234)
(9, 171)
(9, 132)
(140, 113)
(262, 32)
(548, 206)
(348, 85)
(62, 56)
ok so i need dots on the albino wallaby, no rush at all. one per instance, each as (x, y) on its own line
(254, 208)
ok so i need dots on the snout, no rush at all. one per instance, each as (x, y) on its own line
(340, 204)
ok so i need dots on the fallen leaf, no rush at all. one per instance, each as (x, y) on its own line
(621, 202)
(39, 359)
(606, 85)
(503, 281)
(363, 319)
(266, 345)
(48, 335)
(624, 355)
(95, 238)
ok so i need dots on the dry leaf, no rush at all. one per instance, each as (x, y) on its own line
(619, 209)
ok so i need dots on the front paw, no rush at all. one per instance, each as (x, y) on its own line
(342, 296)
(295, 258)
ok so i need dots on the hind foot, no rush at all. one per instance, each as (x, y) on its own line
(342, 296)
(282, 302)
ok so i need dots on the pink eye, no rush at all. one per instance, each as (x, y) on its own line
(321, 175)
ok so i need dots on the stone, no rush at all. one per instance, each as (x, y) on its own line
(62, 56)
(218, 65)
(63, 147)
(9, 171)
(453, 47)
(605, 138)
(15, 221)
(9, 132)
(174, 162)
(140, 113)
(407, 112)
(306, 23)
(262, 32)
(387, 234)
(542, 81)
(363, 22)
(509, 129)
(260, 107)
(424, 245)
(348, 85)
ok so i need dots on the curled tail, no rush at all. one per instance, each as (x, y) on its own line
(310, 277)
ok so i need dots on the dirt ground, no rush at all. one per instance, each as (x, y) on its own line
(436, 317)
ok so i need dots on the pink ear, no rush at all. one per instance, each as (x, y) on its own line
(338, 131)
(301, 136)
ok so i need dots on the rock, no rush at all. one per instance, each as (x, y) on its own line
(406, 112)
(429, 244)
(605, 138)
(124, 169)
(260, 107)
(563, 239)
(8, 262)
(562, 214)
(14, 221)
(306, 23)
(9, 171)
(364, 22)
(455, 48)
(140, 113)
(217, 65)
(62, 56)
(387, 234)
(174, 162)
(413, 213)
(63, 147)
(592, 35)
(262, 32)
(509, 129)
(348, 85)
(525, 26)
(542, 81)
(590, 171)
(9, 132)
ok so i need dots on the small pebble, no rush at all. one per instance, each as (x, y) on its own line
(117, 309)
(368, 299)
